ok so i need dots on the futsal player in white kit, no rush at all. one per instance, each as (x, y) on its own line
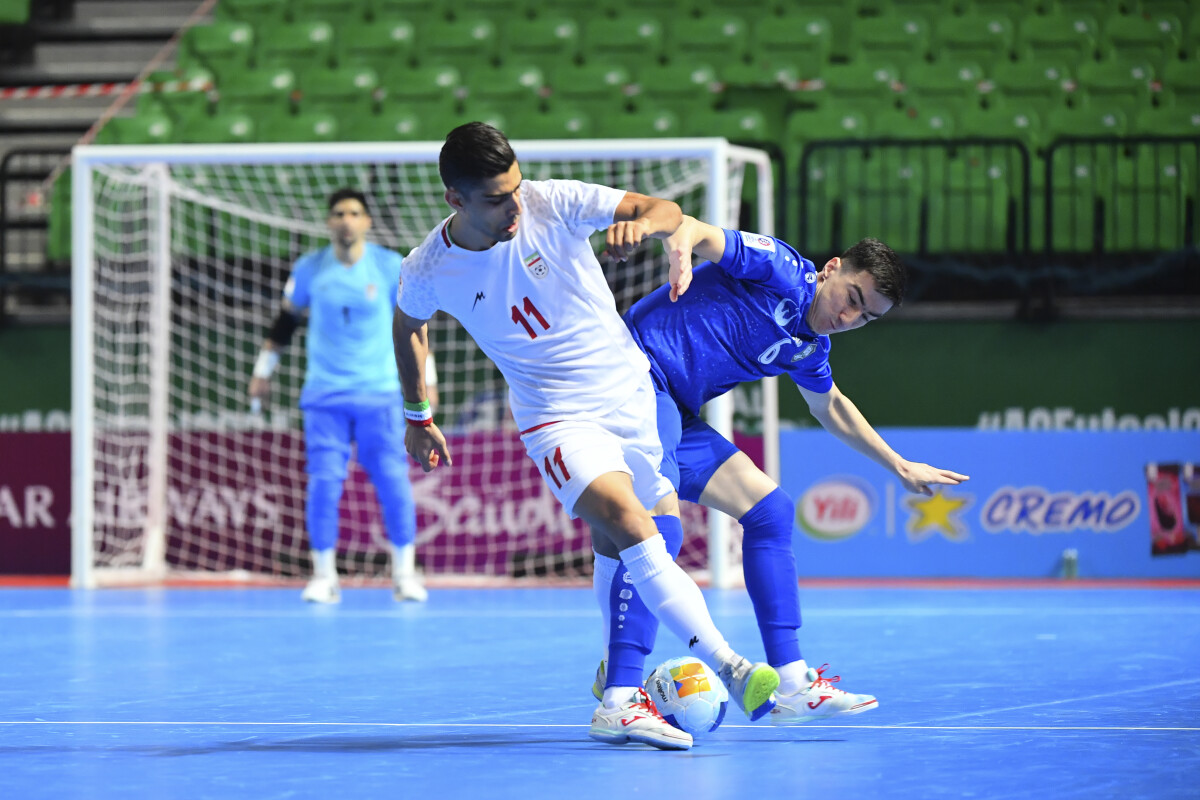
(514, 266)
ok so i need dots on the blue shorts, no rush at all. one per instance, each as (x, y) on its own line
(692, 449)
(372, 422)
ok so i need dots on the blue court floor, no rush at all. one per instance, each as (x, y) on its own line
(249, 693)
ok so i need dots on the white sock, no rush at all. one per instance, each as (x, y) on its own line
(793, 677)
(603, 573)
(675, 599)
(616, 695)
(404, 560)
(324, 564)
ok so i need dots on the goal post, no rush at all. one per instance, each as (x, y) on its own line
(180, 253)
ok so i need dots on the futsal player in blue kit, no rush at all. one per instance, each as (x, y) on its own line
(757, 308)
(351, 390)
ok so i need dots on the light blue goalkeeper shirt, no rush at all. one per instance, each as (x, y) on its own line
(350, 309)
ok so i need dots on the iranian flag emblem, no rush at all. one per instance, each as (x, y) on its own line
(537, 265)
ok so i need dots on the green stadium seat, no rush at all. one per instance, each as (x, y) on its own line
(307, 126)
(393, 125)
(14, 12)
(1039, 85)
(1085, 121)
(1180, 82)
(495, 116)
(1115, 83)
(1178, 120)
(221, 128)
(517, 87)
(272, 88)
(1002, 121)
(946, 81)
(626, 41)
(724, 36)
(776, 69)
(1182, 10)
(920, 121)
(869, 82)
(1150, 205)
(1066, 34)
(1097, 9)
(1013, 9)
(460, 41)
(379, 44)
(798, 43)
(592, 84)
(742, 126)
(679, 87)
(298, 46)
(219, 47)
(550, 42)
(983, 37)
(145, 127)
(637, 124)
(819, 202)
(255, 12)
(900, 37)
(560, 122)
(428, 89)
(343, 91)
(1147, 38)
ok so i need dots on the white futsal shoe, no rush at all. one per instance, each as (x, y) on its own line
(408, 588)
(637, 720)
(322, 590)
(819, 700)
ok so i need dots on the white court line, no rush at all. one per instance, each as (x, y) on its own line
(1125, 691)
(556, 725)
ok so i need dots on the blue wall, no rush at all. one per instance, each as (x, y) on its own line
(1031, 497)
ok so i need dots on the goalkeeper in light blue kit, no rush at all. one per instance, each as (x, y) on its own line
(351, 389)
(757, 309)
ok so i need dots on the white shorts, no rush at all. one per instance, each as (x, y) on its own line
(573, 453)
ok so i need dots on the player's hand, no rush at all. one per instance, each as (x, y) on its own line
(623, 238)
(921, 478)
(427, 445)
(679, 254)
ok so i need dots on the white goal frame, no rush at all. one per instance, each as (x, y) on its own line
(719, 412)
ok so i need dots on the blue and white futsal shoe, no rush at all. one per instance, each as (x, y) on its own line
(752, 686)
(322, 590)
(637, 720)
(819, 700)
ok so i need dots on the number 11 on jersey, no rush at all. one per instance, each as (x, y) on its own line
(532, 311)
(562, 468)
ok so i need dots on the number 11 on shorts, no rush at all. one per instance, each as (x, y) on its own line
(562, 468)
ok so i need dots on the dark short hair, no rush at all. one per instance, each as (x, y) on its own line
(474, 153)
(346, 193)
(875, 257)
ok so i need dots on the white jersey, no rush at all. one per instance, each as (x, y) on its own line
(537, 305)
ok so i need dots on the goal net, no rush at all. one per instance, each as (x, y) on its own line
(180, 258)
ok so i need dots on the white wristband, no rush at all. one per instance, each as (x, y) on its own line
(267, 361)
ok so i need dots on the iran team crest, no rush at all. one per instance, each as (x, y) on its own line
(537, 265)
(371, 291)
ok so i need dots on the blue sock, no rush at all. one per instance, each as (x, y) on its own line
(321, 510)
(632, 628)
(769, 564)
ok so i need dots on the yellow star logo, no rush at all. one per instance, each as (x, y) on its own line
(690, 679)
(938, 513)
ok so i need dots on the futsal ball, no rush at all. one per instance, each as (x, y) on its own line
(689, 695)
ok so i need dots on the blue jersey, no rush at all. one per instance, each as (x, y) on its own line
(741, 319)
(349, 323)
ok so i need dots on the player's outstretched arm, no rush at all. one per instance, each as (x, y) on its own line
(639, 217)
(691, 237)
(422, 439)
(838, 415)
